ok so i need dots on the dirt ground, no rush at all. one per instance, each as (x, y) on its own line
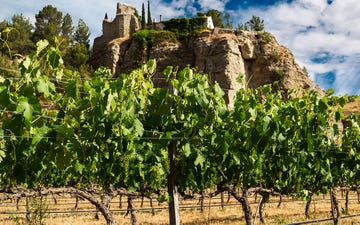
(290, 211)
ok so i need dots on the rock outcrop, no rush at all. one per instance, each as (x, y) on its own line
(256, 56)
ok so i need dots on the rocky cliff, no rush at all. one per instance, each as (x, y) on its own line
(224, 56)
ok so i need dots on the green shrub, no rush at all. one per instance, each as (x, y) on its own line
(266, 37)
(275, 56)
(149, 38)
(184, 27)
(278, 72)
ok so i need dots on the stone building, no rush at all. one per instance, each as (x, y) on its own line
(123, 25)
(126, 23)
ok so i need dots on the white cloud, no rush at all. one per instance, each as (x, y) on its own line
(213, 4)
(310, 27)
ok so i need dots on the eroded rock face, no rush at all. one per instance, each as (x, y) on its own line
(255, 56)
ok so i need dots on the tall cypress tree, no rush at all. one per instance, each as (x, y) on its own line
(149, 13)
(143, 19)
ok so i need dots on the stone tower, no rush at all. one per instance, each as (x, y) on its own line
(124, 24)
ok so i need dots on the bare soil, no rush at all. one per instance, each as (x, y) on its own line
(290, 211)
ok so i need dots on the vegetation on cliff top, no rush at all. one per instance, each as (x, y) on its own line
(149, 38)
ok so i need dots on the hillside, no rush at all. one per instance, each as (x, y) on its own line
(352, 107)
(224, 55)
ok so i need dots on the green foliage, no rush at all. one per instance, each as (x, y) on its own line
(77, 56)
(184, 27)
(276, 56)
(116, 131)
(48, 24)
(82, 33)
(217, 17)
(19, 40)
(149, 18)
(242, 27)
(256, 23)
(149, 38)
(278, 72)
(266, 37)
(67, 29)
(4, 40)
(143, 18)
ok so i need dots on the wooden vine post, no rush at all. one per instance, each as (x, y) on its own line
(174, 215)
(335, 208)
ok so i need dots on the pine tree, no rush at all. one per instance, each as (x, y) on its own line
(149, 13)
(79, 54)
(256, 23)
(143, 19)
(82, 33)
(67, 28)
(20, 41)
(48, 24)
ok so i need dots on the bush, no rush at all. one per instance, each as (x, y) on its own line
(184, 27)
(149, 38)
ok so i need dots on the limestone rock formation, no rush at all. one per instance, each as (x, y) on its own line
(256, 56)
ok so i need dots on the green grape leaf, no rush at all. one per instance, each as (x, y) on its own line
(281, 137)
(39, 134)
(167, 72)
(4, 96)
(138, 127)
(266, 121)
(200, 159)
(71, 89)
(79, 167)
(41, 45)
(45, 86)
(54, 57)
(151, 66)
(25, 65)
(25, 108)
(187, 149)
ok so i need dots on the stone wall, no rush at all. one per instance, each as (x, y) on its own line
(125, 9)
(124, 25)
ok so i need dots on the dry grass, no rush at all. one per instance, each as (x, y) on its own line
(288, 212)
(352, 107)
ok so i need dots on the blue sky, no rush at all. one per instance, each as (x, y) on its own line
(324, 35)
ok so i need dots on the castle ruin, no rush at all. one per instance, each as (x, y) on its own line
(124, 25)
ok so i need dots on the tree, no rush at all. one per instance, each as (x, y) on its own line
(228, 23)
(217, 17)
(4, 37)
(149, 13)
(78, 55)
(16, 38)
(143, 19)
(20, 39)
(242, 26)
(82, 33)
(256, 23)
(67, 28)
(48, 24)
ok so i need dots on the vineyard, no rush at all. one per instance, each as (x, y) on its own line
(220, 210)
(103, 138)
